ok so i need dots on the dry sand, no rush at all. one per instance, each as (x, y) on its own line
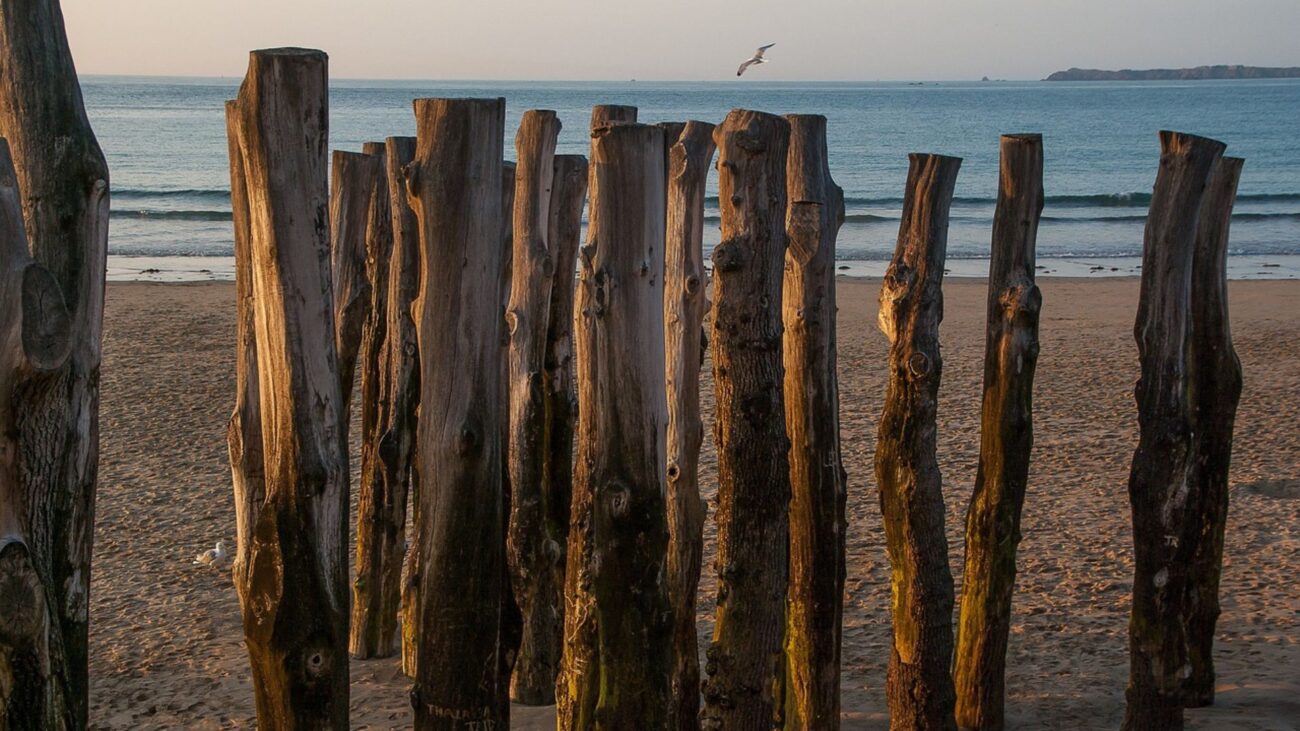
(166, 648)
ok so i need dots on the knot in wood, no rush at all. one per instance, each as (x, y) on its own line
(918, 365)
(548, 266)
(317, 661)
(600, 291)
(22, 604)
(692, 284)
(729, 256)
(619, 498)
(467, 441)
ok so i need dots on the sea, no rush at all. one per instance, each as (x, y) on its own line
(166, 147)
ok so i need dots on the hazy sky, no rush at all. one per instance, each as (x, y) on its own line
(681, 39)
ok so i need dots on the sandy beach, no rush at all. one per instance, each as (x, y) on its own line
(166, 641)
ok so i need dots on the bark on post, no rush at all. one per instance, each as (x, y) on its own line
(685, 280)
(1216, 390)
(1006, 439)
(744, 665)
(919, 684)
(603, 115)
(354, 182)
(295, 596)
(537, 574)
(36, 337)
(455, 188)
(618, 624)
(63, 180)
(814, 614)
(1160, 481)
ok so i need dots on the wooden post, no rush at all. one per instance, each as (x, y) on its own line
(63, 180)
(34, 325)
(455, 188)
(512, 620)
(618, 624)
(919, 684)
(603, 115)
(294, 599)
(1159, 481)
(744, 665)
(536, 574)
(1216, 390)
(815, 608)
(354, 182)
(1006, 439)
(684, 305)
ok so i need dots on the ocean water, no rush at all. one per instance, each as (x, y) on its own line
(166, 147)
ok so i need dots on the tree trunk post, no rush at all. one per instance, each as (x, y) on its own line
(536, 574)
(744, 660)
(1006, 440)
(63, 180)
(604, 115)
(455, 188)
(685, 280)
(354, 182)
(512, 620)
(1216, 391)
(295, 596)
(1160, 481)
(919, 685)
(618, 624)
(815, 609)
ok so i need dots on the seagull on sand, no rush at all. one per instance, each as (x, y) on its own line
(757, 58)
(213, 557)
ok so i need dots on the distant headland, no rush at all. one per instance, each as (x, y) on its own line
(1198, 73)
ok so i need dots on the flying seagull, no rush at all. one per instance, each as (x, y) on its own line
(758, 58)
(213, 557)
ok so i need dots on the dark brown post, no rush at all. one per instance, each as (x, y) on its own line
(455, 188)
(744, 665)
(1006, 439)
(603, 115)
(618, 625)
(685, 280)
(295, 595)
(815, 610)
(919, 685)
(63, 180)
(1159, 482)
(355, 178)
(1216, 390)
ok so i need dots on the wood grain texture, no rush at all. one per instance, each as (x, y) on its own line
(454, 186)
(689, 160)
(744, 660)
(295, 596)
(1006, 440)
(815, 607)
(354, 179)
(618, 623)
(603, 115)
(919, 685)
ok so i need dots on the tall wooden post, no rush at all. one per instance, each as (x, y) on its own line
(355, 178)
(455, 188)
(603, 115)
(685, 280)
(34, 325)
(537, 575)
(618, 624)
(744, 665)
(1216, 390)
(1006, 439)
(919, 684)
(512, 620)
(294, 598)
(63, 180)
(815, 610)
(1159, 481)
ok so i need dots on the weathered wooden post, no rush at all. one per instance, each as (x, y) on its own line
(1216, 390)
(618, 625)
(63, 180)
(537, 575)
(34, 325)
(512, 620)
(815, 610)
(603, 115)
(744, 665)
(919, 684)
(1006, 439)
(455, 189)
(1159, 481)
(295, 594)
(354, 181)
(685, 280)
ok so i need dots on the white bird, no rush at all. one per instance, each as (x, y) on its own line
(213, 557)
(757, 58)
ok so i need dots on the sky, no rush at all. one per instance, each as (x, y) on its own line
(851, 40)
